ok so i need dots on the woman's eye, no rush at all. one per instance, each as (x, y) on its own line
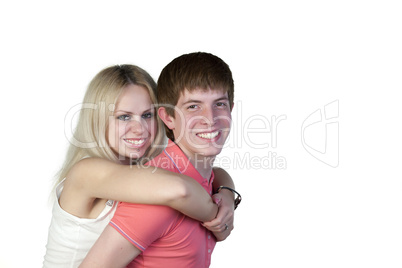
(124, 117)
(147, 115)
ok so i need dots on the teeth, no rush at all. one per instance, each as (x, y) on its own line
(135, 142)
(208, 135)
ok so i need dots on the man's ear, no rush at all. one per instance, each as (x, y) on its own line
(166, 118)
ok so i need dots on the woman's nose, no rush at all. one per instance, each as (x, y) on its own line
(136, 125)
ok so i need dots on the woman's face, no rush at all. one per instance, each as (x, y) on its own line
(133, 126)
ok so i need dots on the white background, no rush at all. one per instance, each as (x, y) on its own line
(288, 58)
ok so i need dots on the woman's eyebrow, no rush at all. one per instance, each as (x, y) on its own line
(128, 112)
(122, 111)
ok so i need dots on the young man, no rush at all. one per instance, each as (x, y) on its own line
(195, 93)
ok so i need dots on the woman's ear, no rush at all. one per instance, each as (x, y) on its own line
(166, 118)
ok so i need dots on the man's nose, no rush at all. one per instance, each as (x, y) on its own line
(208, 116)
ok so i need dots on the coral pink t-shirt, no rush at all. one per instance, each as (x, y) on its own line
(166, 237)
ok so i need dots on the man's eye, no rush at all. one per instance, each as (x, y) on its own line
(221, 104)
(192, 106)
(124, 117)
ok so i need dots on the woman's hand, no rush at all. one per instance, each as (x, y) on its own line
(222, 225)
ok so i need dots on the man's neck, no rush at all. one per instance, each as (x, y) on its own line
(202, 164)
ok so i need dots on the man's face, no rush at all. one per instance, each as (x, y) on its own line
(202, 122)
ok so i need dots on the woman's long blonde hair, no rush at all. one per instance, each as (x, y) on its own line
(90, 135)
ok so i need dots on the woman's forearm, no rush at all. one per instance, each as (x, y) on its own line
(196, 202)
(100, 178)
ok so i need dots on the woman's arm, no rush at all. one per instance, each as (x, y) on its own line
(96, 178)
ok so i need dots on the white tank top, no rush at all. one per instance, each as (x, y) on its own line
(70, 238)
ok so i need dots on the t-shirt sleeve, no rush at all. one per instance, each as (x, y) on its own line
(143, 224)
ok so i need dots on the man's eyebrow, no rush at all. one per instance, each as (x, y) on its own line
(222, 98)
(191, 101)
(198, 101)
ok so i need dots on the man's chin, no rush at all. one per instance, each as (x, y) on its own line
(209, 153)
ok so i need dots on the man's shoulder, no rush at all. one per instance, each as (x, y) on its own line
(157, 158)
(163, 161)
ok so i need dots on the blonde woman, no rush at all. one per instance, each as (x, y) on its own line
(116, 133)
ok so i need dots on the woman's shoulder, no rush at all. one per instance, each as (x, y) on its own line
(88, 166)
